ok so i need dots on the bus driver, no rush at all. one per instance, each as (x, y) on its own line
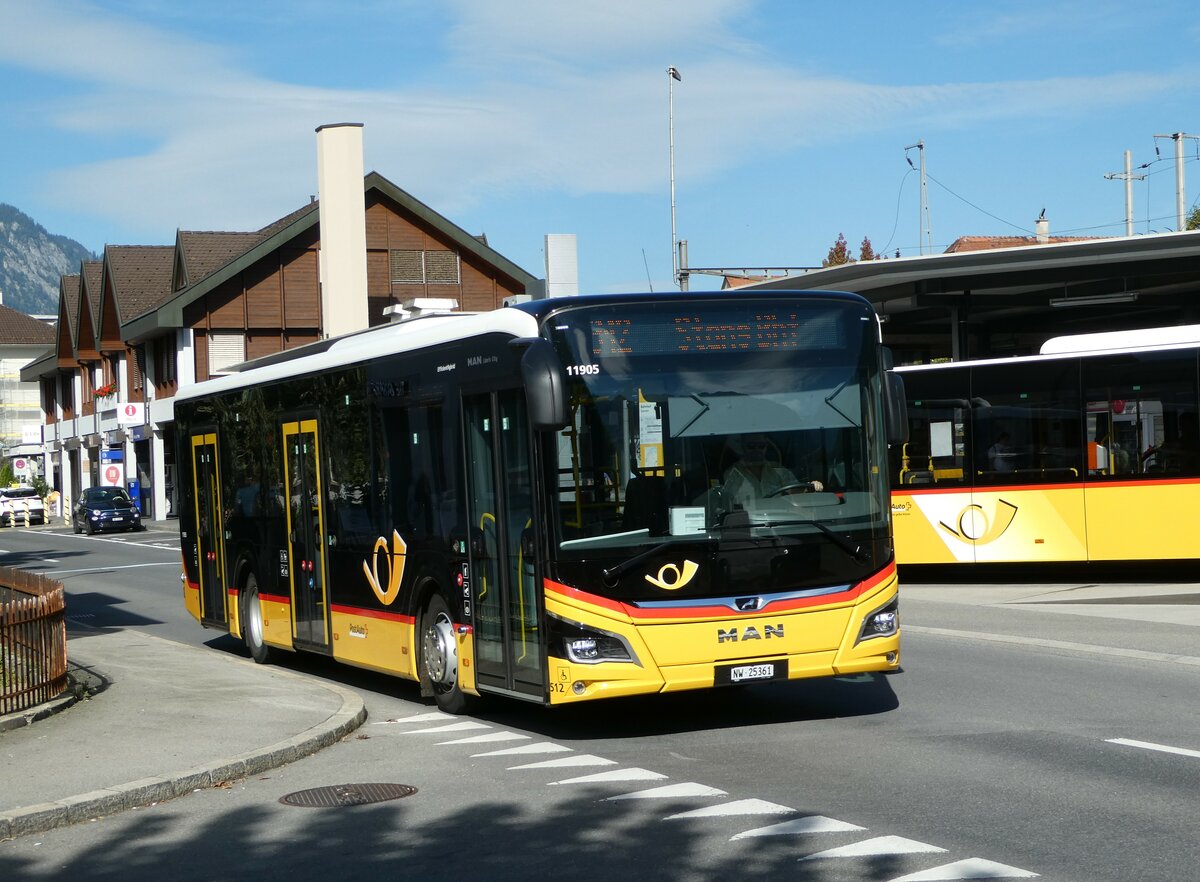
(752, 477)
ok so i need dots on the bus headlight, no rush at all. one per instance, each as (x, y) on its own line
(587, 646)
(883, 622)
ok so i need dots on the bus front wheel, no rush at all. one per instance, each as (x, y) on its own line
(439, 656)
(252, 622)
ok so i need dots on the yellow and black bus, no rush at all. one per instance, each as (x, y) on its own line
(534, 502)
(1088, 451)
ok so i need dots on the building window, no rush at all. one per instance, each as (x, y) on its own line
(424, 267)
(224, 351)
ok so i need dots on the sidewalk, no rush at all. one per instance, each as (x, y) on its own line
(171, 718)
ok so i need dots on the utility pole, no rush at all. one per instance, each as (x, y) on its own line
(924, 227)
(1128, 177)
(672, 77)
(1180, 190)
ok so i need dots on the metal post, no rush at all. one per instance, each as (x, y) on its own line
(1129, 193)
(682, 275)
(1179, 188)
(672, 76)
(1128, 177)
(924, 227)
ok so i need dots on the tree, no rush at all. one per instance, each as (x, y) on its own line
(1193, 220)
(865, 251)
(839, 253)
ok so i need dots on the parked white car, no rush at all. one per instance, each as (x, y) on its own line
(15, 501)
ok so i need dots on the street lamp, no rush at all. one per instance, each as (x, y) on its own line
(672, 77)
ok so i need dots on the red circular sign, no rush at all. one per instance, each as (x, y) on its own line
(112, 475)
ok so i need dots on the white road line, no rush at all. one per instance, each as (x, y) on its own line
(971, 868)
(102, 569)
(537, 747)
(490, 737)
(800, 827)
(1067, 646)
(581, 760)
(452, 727)
(437, 716)
(672, 791)
(737, 808)
(1161, 748)
(877, 847)
(614, 775)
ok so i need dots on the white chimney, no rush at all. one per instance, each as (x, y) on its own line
(343, 218)
(1042, 229)
(562, 265)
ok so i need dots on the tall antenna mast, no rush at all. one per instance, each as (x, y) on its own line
(924, 227)
(672, 77)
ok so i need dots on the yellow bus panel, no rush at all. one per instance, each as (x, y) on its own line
(675, 652)
(987, 526)
(1143, 521)
(378, 641)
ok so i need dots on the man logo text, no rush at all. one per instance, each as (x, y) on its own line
(733, 635)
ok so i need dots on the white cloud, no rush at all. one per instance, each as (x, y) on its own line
(221, 147)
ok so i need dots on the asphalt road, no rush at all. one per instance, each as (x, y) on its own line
(1048, 729)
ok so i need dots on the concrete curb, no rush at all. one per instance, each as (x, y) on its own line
(149, 791)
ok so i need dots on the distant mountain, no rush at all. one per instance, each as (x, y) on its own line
(31, 262)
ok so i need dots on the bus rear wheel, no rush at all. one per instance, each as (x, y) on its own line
(439, 656)
(252, 622)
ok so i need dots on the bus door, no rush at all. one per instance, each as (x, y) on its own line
(508, 640)
(206, 490)
(306, 534)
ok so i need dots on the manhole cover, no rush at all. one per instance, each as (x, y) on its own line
(347, 794)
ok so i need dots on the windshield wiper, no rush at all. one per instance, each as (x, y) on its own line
(612, 574)
(855, 549)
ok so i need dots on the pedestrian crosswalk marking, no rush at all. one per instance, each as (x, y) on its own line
(577, 761)
(613, 776)
(537, 747)
(800, 826)
(489, 737)
(669, 791)
(736, 808)
(972, 868)
(451, 727)
(880, 845)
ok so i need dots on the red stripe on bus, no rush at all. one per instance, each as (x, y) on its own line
(1073, 485)
(719, 610)
(275, 598)
(373, 614)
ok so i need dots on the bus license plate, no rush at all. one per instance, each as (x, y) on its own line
(730, 674)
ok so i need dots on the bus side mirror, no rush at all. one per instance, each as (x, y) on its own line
(545, 383)
(895, 408)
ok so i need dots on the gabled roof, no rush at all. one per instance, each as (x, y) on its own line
(200, 253)
(84, 339)
(68, 306)
(169, 313)
(140, 276)
(19, 328)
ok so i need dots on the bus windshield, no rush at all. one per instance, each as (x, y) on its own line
(740, 432)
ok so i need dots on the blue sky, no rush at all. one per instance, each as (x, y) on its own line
(123, 121)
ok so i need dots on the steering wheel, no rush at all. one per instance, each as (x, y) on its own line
(794, 487)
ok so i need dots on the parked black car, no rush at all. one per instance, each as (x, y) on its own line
(105, 508)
